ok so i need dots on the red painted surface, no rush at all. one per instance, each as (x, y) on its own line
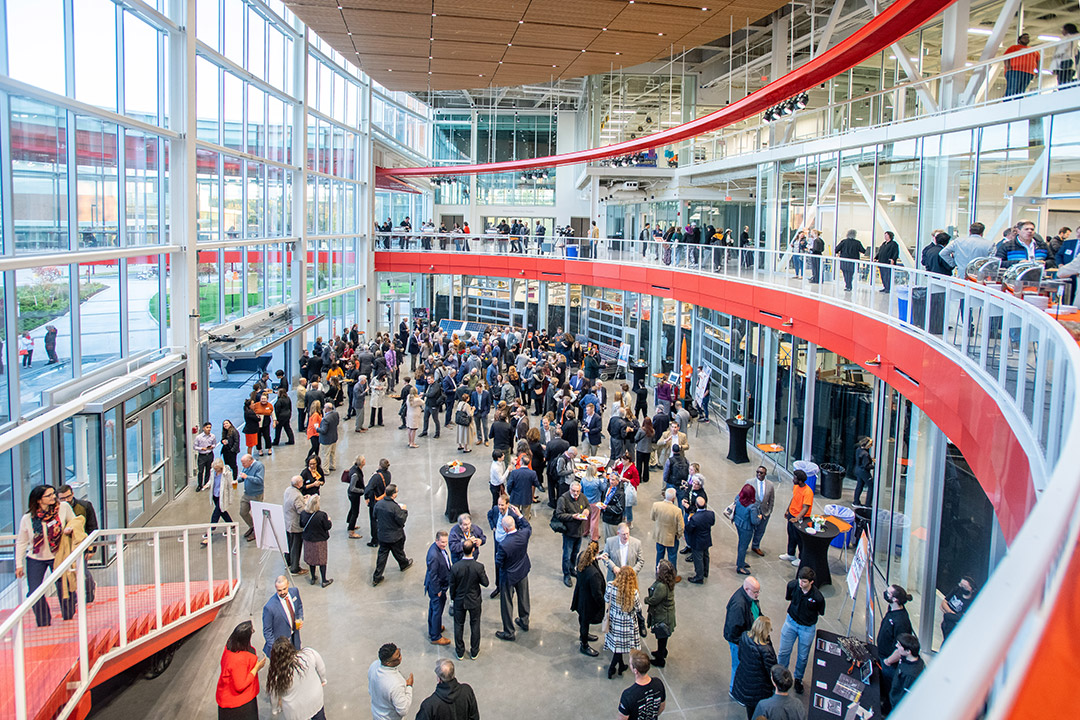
(892, 24)
(955, 402)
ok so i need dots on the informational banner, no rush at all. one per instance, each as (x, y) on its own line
(702, 384)
(624, 355)
(422, 313)
(859, 564)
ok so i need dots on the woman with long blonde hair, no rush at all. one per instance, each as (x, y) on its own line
(623, 606)
(753, 679)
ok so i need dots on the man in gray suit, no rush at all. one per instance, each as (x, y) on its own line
(328, 435)
(765, 496)
(624, 550)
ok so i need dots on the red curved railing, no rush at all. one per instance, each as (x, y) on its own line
(895, 22)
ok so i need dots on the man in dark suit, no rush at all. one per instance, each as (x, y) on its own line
(698, 534)
(467, 576)
(570, 427)
(591, 428)
(436, 581)
(555, 447)
(513, 555)
(283, 615)
(390, 523)
(520, 483)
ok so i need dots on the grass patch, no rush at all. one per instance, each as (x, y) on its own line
(208, 305)
(41, 303)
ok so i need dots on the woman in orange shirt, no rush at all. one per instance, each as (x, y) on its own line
(265, 410)
(314, 420)
(238, 684)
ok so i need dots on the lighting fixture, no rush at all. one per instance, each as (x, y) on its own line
(787, 108)
(521, 22)
(660, 34)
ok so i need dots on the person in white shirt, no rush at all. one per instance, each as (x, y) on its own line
(498, 475)
(40, 530)
(391, 693)
(295, 680)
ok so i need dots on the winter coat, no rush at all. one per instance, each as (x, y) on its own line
(752, 680)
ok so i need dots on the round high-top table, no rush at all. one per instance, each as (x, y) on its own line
(457, 489)
(737, 430)
(815, 551)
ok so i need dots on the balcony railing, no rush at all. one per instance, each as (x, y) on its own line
(977, 84)
(131, 586)
(1025, 359)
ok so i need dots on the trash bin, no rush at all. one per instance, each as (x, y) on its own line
(900, 524)
(832, 480)
(571, 251)
(847, 515)
(811, 471)
(903, 302)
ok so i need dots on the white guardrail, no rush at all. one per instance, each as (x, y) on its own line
(131, 585)
(1026, 360)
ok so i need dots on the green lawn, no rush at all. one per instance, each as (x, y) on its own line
(208, 305)
(41, 303)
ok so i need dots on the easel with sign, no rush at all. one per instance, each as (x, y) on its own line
(860, 565)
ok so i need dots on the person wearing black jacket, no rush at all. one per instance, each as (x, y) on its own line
(373, 493)
(742, 606)
(316, 532)
(753, 679)
(570, 428)
(356, 494)
(817, 249)
(850, 249)
(572, 511)
(613, 506)
(283, 413)
(588, 601)
(434, 397)
(895, 623)
(888, 254)
(502, 435)
(403, 395)
(230, 445)
(452, 700)
(390, 519)
(467, 576)
(554, 448)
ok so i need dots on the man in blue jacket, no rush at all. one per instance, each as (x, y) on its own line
(512, 555)
(436, 582)
(252, 473)
(520, 483)
(283, 615)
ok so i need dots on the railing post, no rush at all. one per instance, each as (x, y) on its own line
(235, 532)
(157, 577)
(187, 575)
(210, 568)
(229, 555)
(80, 614)
(121, 594)
(18, 667)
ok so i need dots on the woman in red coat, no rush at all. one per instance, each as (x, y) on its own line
(238, 684)
(628, 471)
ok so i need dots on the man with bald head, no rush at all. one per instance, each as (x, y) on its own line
(293, 504)
(283, 615)
(512, 559)
(742, 610)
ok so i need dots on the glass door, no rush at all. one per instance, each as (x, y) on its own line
(133, 455)
(147, 454)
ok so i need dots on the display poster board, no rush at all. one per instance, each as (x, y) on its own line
(269, 521)
(858, 565)
(703, 376)
(422, 313)
(624, 355)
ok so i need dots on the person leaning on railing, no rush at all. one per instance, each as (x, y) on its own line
(41, 529)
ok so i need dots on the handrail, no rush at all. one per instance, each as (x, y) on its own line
(159, 575)
(974, 71)
(1021, 591)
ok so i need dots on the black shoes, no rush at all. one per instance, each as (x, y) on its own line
(657, 662)
(423, 434)
(311, 580)
(372, 544)
(407, 565)
(592, 638)
(524, 626)
(505, 636)
(696, 581)
(566, 581)
(799, 686)
(494, 594)
(375, 581)
(586, 650)
(685, 551)
(326, 583)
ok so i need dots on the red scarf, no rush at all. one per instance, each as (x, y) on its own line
(49, 522)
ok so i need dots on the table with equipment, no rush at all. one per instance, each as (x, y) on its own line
(457, 489)
(814, 552)
(737, 430)
(836, 683)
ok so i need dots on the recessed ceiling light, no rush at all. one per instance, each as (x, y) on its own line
(431, 39)
(704, 9)
(350, 34)
(481, 74)
(389, 69)
(430, 57)
(500, 62)
(521, 22)
(434, 15)
(604, 29)
(660, 34)
(428, 72)
(554, 66)
(618, 53)
(582, 51)
(509, 44)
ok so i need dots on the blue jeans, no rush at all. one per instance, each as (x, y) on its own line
(672, 553)
(436, 604)
(805, 635)
(570, 548)
(745, 535)
(734, 663)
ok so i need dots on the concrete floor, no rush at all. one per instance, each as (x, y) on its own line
(542, 674)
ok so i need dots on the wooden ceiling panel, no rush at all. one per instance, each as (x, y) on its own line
(478, 29)
(472, 36)
(449, 49)
(583, 13)
(362, 23)
(486, 9)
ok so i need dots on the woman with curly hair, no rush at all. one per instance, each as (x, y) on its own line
(623, 607)
(238, 684)
(588, 600)
(295, 681)
(661, 602)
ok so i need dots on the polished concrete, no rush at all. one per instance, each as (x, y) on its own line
(542, 674)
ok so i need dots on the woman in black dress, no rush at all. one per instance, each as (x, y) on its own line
(230, 445)
(588, 600)
(316, 528)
